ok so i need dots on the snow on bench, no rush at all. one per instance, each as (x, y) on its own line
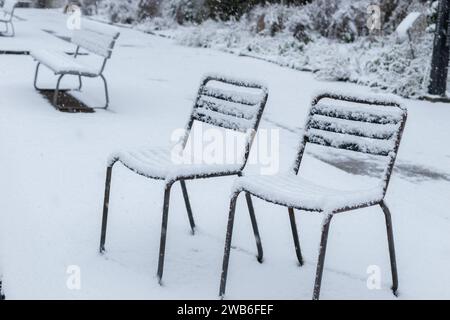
(92, 37)
(6, 16)
(404, 28)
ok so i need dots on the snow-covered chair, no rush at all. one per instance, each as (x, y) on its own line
(373, 126)
(230, 104)
(6, 17)
(92, 37)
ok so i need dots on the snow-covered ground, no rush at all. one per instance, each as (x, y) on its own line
(53, 169)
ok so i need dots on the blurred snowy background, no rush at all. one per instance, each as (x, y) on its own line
(332, 38)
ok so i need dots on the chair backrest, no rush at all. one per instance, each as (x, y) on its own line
(372, 125)
(9, 6)
(96, 38)
(230, 104)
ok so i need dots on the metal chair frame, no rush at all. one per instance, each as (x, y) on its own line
(328, 217)
(170, 183)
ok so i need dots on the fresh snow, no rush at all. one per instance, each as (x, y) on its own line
(53, 172)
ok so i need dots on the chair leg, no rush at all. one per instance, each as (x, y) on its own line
(251, 210)
(55, 96)
(390, 236)
(106, 91)
(321, 260)
(105, 208)
(298, 251)
(226, 255)
(188, 206)
(162, 246)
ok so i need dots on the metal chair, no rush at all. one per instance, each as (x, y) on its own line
(373, 126)
(8, 13)
(216, 106)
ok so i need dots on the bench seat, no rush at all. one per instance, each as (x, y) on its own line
(61, 63)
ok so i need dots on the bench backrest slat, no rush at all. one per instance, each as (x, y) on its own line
(9, 6)
(96, 38)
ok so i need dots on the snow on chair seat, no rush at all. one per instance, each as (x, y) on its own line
(6, 17)
(372, 125)
(158, 163)
(293, 191)
(232, 105)
(94, 38)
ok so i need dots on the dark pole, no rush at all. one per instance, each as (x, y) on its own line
(439, 61)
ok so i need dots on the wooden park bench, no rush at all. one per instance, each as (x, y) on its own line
(96, 39)
(6, 17)
(228, 104)
(372, 126)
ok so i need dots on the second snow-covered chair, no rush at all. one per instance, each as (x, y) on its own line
(372, 125)
(221, 102)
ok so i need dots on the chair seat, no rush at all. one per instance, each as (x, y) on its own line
(61, 63)
(158, 163)
(293, 191)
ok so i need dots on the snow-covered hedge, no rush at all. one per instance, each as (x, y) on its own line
(328, 37)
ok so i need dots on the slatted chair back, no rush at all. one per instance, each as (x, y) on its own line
(8, 7)
(96, 38)
(230, 104)
(373, 126)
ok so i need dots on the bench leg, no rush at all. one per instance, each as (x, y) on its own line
(105, 208)
(80, 83)
(55, 96)
(188, 206)
(226, 254)
(6, 33)
(390, 236)
(106, 91)
(36, 76)
(162, 245)
(298, 251)
(321, 260)
(251, 211)
(12, 28)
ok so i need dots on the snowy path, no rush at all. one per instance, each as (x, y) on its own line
(53, 168)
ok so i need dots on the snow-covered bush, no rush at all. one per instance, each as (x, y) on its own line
(328, 37)
(124, 11)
